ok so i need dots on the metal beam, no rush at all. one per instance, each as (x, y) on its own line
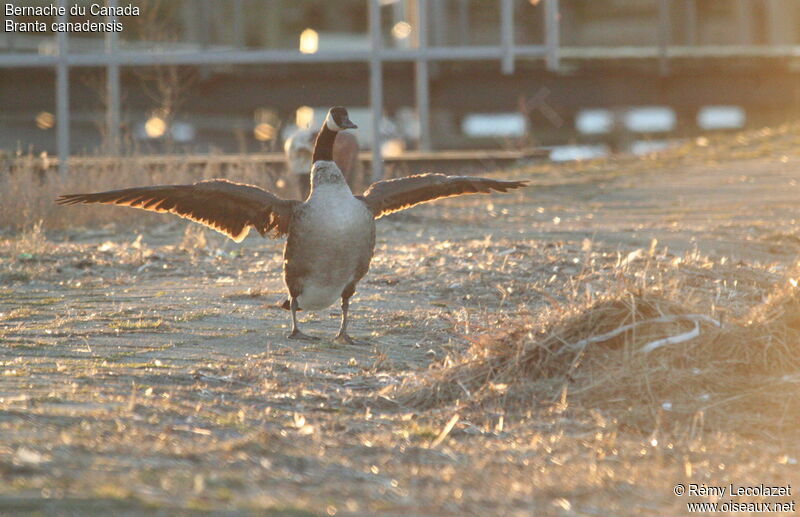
(691, 22)
(112, 87)
(463, 22)
(681, 51)
(476, 53)
(552, 35)
(245, 57)
(781, 22)
(744, 17)
(376, 87)
(10, 34)
(664, 30)
(62, 96)
(422, 78)
(507, 35)
(239, 32)
(440, 23)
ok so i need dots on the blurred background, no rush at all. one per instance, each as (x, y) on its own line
(564, 79)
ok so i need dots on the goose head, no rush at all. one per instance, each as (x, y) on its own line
(338, 119)
(324, 169)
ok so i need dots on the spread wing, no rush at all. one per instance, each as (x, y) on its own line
(227, 207)
(385, 197)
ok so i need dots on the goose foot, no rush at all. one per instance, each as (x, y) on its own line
(296, 334)
(345, 339)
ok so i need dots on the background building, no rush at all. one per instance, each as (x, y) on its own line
(574, 80)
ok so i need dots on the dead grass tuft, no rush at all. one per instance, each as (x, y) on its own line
(647, 358)
(32, 241)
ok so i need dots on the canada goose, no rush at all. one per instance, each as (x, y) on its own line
(299, 147)
(331, 236)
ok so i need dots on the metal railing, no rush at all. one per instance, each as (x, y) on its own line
(112, 59)
(421, 55)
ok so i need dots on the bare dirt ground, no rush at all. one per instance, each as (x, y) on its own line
(148, 373)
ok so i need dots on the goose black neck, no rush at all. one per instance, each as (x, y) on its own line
(323, 147)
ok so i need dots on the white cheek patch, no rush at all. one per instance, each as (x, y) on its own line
(332, 125)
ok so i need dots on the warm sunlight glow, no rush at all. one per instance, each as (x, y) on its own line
(304, 116)
(393, 148)
(264, 132)
(45, 120)
(155, 127)
(401, 30)
(309, 41)
(266, 122)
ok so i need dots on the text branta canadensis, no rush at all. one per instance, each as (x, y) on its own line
(331, 235)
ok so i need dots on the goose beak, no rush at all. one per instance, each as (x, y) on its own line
(347, 124)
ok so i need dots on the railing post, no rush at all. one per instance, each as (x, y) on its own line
(664, 26)
(422, 77)
(239, 33)
(780, 23)
(552, 35)
(691, 22)
(440, 23)
(507, 35)
(112, 87)
(62, 96)
(10, 35)
(463, 22)
(376, 87)
(743, 11)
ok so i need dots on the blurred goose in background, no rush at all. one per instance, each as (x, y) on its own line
(330, 235)
(299, 148)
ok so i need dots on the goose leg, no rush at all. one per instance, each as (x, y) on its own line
(296, 334)
(343, 337)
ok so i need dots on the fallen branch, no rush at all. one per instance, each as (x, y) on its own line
(663, 319)
(672, 340)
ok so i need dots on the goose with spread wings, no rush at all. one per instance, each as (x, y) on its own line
(330, 235)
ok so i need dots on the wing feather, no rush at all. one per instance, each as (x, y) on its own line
(225, 206)
(385, 197)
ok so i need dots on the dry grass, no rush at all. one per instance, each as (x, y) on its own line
(31, 242)
(155, 361)
(27, 192)
(28, 185)
(654, 357)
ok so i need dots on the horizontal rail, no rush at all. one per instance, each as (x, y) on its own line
(230, 57)
(243, 57)
(679, 51)
(76, 162)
